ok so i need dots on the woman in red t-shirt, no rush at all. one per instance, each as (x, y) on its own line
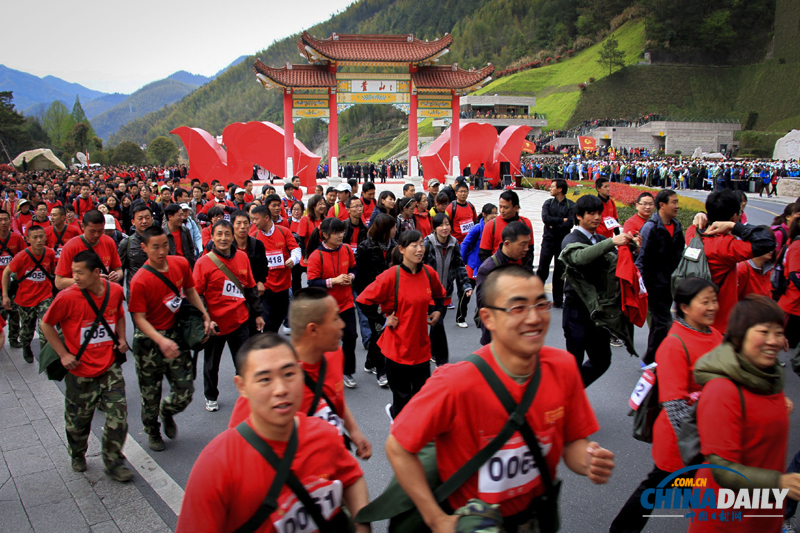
(743, 417)
(422, 218)
(311, 221)
(689, 339)
(404, 293)
(790, 301)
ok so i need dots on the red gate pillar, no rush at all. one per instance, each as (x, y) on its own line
(288, 135)
(333, 138)
(455, 166)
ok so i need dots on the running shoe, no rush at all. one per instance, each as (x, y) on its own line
(349, 382)
(212, 405)
(383, 381)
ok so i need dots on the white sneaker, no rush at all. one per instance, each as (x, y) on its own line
(349, 382)
(383, 381)
(451, 306)
(212, 405)
(388, 410)
(370, 370)
(616, 343)
(462, 324)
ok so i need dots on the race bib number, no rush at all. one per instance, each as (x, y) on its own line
(511, 471)
(642, 288)
(467, 226)
(692, 253)
(5, 259)
(58, 252)
(294, 518)
(353, 247)
(643, 386)
(275, 260)
(611, 223)
(100, 335)
(37, 276)
(230, 289)
(326, 413)
(173, 302)
(227, 217)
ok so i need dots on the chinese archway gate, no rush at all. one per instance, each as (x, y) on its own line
(416, 86)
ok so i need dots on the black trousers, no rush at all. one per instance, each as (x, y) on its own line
(550, 251)
(632, 517)
(585, 338)
(275, 307)
(212, 356)
(375, 357)
(349, 336)
(793, 331)
(297, 278)
(405, 381)
(659, 305)
(439, 350)
(461, 306)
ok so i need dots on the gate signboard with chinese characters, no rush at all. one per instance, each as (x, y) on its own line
(321, 89)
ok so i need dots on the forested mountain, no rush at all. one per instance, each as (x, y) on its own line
(189, 78)
(504, 32)
(30, 90)
(102, 104)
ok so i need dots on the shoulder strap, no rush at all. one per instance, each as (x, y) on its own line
(91, 249)
(282, 470)
(60, 238)
(222, 268)
(495, 260)
(515, 423)
(37, 265)
(317, 388)
(396, 286)
(171, 286)
(686, 351)
(4, 245)
(98, 319)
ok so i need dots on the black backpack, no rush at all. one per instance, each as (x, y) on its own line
(778, 278)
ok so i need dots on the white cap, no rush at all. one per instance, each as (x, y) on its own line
(185, 206)
(343, 187)
(239, 190)
(110, 223)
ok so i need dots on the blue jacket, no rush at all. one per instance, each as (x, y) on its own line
(471, 246)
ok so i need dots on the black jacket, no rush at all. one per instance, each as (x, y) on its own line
(188, 244)
(371, 262)
(659, 255)
(553, 215)
(594, 271)
(131, 256)
(348, 231)
(456, 271)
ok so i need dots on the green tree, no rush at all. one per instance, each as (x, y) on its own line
(58, 123)
(39, 137)
(79, 137)
(162, 150)
(610, 55)
(78, 115)
(128, 153)
(13, 134)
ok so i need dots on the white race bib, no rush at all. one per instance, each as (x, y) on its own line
(100, 335)
(467, 226)
(642, 288)
(227, 217)
(643, 386)
(294, 518)
(173, 303)
(610, 223)
(275, 260)
(58, 252)
(5, 259)
(37, 276)
(511, 471)
(326, 413)
(230, 289)
(692, 253)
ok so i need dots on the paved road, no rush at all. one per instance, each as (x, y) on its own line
(584, 507)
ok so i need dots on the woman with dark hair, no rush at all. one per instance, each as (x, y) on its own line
(404, 293)
(690, 338)
(743, 415)
(790, 300)
(384, 205)
(125, 214)
(422, 218)
(781, 223)
(332, 266)
(113, 206)
(742, 197)
(373, 257)
(404, 209)
(311, 221)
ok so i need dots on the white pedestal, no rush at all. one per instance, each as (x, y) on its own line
(289, 170)
(413, 173)
(455, 169)
(333, 168)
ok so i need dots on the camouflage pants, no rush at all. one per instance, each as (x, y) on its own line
(12, 317)
(151, 369)
(82, 397)
(31, 319)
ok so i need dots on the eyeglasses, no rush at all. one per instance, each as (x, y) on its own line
(523, 310)
(647, 204)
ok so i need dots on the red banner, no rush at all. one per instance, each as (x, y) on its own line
(588, 143)
(529, 147)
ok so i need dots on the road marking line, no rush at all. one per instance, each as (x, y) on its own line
(760, 209)
(161, 482)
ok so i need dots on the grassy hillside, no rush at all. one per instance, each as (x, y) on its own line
(768, 89)
(556, 86)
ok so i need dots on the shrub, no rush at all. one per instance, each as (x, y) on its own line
(582, 86)
(591, 79)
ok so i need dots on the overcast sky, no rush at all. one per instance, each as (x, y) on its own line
(114, 46)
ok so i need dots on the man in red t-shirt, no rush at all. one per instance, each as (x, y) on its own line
(460, 412)
(248, 192)
(461, 212)
(83, 203)
(51, 201)
(35, 290)
(229, 301)
(609, 225)
(282, 254)
(10, 244)
(95, 377)
(230, 478)
(316, 343)
(94, 239)
(219, 201)
(368, 199)
(40, 218)
(298, 191)
(492, 236)
(158, 346)
(339, 209)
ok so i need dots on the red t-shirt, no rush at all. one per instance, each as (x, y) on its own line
(609, 211)
(15, 244)
(459, 411)
(790, 301)
(751, 281)
(71, 310)
(82, 205)
(343, 214)
(676, 382)
(723, 253)
(50, 205)
(248, 197)
(305, 228)
(205, 235)
(105, 248)
(151, 296)
(279, 246)
(424, 224)
(634, 224)
(329, 264)
(756, 438)
(463, 221)
(369, 207)
(492, 236)
(226, 305)
(409, 342)
(230, 479)
(670, 228)
(176, 237)
(37, 287)
(213, 202)
(333, 387)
